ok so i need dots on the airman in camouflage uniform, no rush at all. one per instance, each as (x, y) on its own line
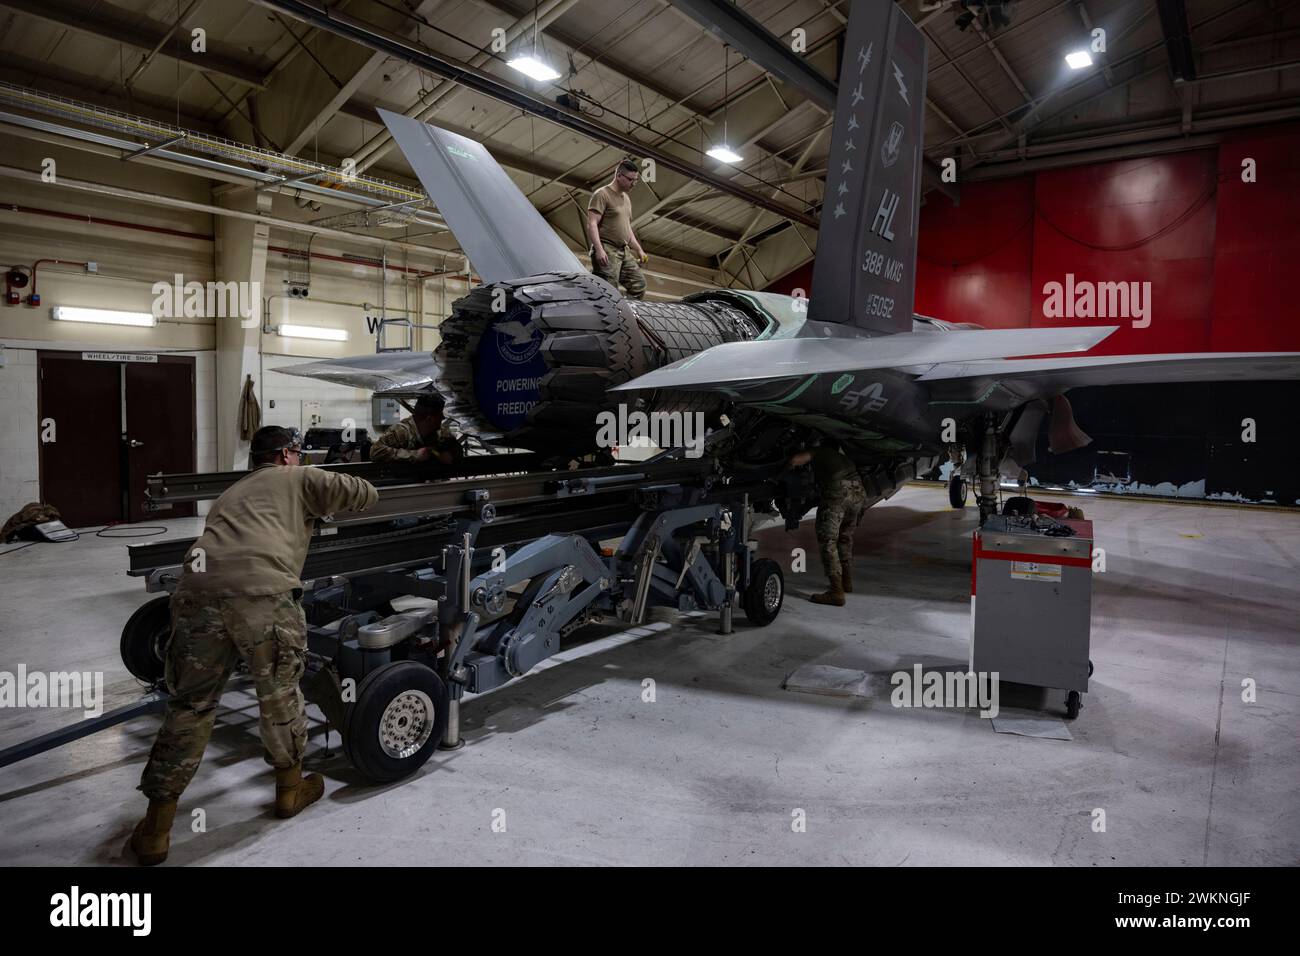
(238, 598)
(209, 637)
(616, 253)
(422, 436)
(842, 500)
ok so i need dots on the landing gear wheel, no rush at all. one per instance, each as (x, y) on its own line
(144, 639)
(958, 490)
(1089, 668)
(765, 592)
(397, 721)
(1073, 701)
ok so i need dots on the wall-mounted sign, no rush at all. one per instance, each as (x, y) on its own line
(118, 357)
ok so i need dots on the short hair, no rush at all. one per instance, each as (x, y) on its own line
(628, 165)
(428, 405)
(269, 440)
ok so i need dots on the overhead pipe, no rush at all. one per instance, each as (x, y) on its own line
(118, 192)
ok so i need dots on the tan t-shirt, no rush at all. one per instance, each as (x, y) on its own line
(256, 536)
(615, 211)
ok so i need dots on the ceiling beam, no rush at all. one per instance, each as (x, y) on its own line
(111, 23)
(348, 89)
(486, 84)
(730, 25)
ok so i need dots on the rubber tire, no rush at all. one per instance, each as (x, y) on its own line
(361, 725)
(958, 490)
(756, 612)
(1073, 701)
(144, 639)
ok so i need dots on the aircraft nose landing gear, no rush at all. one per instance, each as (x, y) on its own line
(986, 464)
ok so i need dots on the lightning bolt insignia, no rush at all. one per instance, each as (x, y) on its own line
(902, 84)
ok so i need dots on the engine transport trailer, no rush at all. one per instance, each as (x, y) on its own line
(515, 559)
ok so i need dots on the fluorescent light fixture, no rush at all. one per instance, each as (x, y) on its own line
(534, 68)
(1079, 59)
(68, 313)
(723, 154)
(313, 332)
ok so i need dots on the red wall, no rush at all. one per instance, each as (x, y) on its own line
(1216, 250)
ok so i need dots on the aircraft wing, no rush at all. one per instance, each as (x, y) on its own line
(958, 381)
(378, 372)
(765, 361)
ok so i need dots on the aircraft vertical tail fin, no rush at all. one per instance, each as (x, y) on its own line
(866, 247)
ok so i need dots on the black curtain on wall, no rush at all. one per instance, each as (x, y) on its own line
(1152, 434)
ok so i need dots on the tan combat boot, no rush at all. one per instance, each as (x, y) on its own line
(294, 792)
(152, 836)
(834, 596)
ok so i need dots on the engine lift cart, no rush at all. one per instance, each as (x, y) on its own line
(514, 564)
(1032, 623)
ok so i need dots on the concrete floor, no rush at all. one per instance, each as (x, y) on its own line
(1195, 599)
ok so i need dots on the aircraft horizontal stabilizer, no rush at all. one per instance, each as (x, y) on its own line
(381, 372)
(754, 362)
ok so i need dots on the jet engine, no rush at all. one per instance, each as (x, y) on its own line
(527, 362)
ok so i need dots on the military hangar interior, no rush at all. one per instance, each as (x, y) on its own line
(845, 259)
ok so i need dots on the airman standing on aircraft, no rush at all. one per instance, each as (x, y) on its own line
(422, 436)
(616, 255)
(239, 597)
(842, 500)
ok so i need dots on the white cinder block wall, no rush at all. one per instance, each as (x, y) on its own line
(19, 439)
(346, 286)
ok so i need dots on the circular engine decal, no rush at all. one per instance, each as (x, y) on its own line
(508, 368)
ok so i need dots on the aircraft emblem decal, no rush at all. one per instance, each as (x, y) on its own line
(889, 152)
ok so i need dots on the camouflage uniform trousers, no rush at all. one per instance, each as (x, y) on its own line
(838, 514)
(209, 636)
(622, 267)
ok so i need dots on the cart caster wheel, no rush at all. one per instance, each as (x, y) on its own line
(1073, 701)
(397, 721)
(1089, 668)
(144, 639)
(765, 592)
(958, 490)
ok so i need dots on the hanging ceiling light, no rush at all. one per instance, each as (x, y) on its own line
(1079, 59)
(534, 69)
(722, 152)
(530, 64)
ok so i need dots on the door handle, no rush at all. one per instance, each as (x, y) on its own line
(135, 444)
